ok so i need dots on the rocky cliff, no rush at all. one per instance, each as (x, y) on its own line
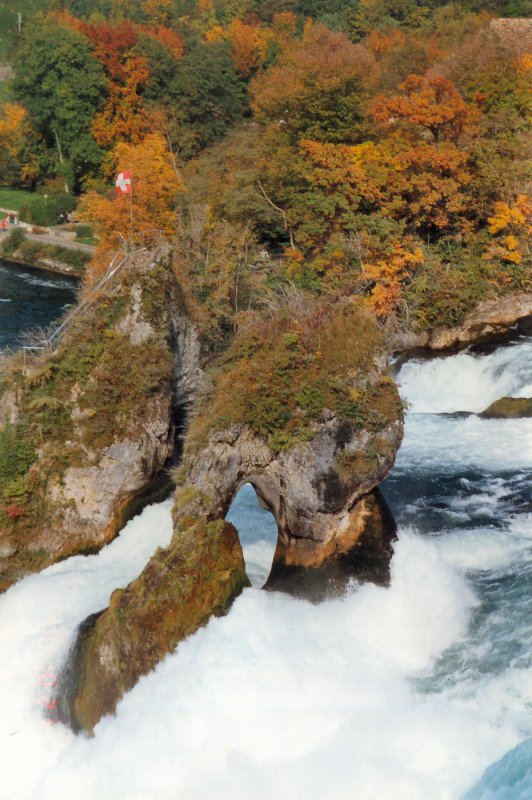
(301, 407)
(84, 429)
(489, 320)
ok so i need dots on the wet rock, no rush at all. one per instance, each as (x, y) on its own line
(361, 552)
(199, 574)
(509, 408)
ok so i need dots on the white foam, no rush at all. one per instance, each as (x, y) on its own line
(38, 618)
(488, 548)
(467, 382)
(277, 699)
(454, 444)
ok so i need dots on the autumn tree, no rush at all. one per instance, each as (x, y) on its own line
(155, 189)
(430, 102)
(245, 47)
(387, 273)
(316, 89)
(123, 116)
(13, 128)
(495, 78)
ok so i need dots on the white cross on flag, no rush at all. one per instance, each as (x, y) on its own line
(123, 182)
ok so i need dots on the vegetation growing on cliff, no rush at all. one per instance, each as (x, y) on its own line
(78, 400)
(283, 374)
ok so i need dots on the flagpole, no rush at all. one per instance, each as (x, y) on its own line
(131, 205)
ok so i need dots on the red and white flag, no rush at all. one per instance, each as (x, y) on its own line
(123, 182)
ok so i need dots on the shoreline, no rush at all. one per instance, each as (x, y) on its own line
(44, 265)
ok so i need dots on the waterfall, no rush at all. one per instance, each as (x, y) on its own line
(417, 692)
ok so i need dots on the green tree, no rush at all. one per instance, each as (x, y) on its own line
(62, 86)
(207, 95)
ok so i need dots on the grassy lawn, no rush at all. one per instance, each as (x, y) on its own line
(13, 199)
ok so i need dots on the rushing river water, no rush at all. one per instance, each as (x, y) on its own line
(422, 691)
(31, 298)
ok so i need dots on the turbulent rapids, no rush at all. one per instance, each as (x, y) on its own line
(421, 691)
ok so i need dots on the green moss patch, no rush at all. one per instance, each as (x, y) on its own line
(279, 375)
(509, 408)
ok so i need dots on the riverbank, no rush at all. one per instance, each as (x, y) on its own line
(31, 250)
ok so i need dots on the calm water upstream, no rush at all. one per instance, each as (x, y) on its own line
(422, 691)
(30, 298)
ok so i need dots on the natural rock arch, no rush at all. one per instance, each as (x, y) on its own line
(309, 416)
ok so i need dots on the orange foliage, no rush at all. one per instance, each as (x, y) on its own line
(155, 188)
(123, 116)
(430, 101)
(169, 38)
(245, 47)
(323, 59)
(284, 26)
(112, 45)
(425, 183)
(422, 184)
(389, 273)
(12, 118)
(351, 169)
(14, 127)
(381, 42)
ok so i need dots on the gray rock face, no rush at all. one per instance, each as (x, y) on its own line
(492, 318)
(308, 489)
(115, 439)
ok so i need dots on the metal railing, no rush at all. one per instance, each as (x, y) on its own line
(151, 239)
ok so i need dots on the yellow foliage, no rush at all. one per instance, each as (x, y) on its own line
(506, 215)
(514, 221)
(215, 34)
(293, 262)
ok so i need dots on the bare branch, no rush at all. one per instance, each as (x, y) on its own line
(280, 211)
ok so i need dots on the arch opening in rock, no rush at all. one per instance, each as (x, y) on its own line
(257, 530)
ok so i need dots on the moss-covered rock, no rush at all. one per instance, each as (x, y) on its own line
(86, 427)
(199, 574)
(509, 408)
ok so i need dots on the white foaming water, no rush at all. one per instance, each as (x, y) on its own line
(387, 694)
(279, 698)
(467, 382)
(38, 618)
(473, 443)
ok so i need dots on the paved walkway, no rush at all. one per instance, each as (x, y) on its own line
(55, 237)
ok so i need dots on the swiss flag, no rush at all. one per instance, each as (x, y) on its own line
(123, 182)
